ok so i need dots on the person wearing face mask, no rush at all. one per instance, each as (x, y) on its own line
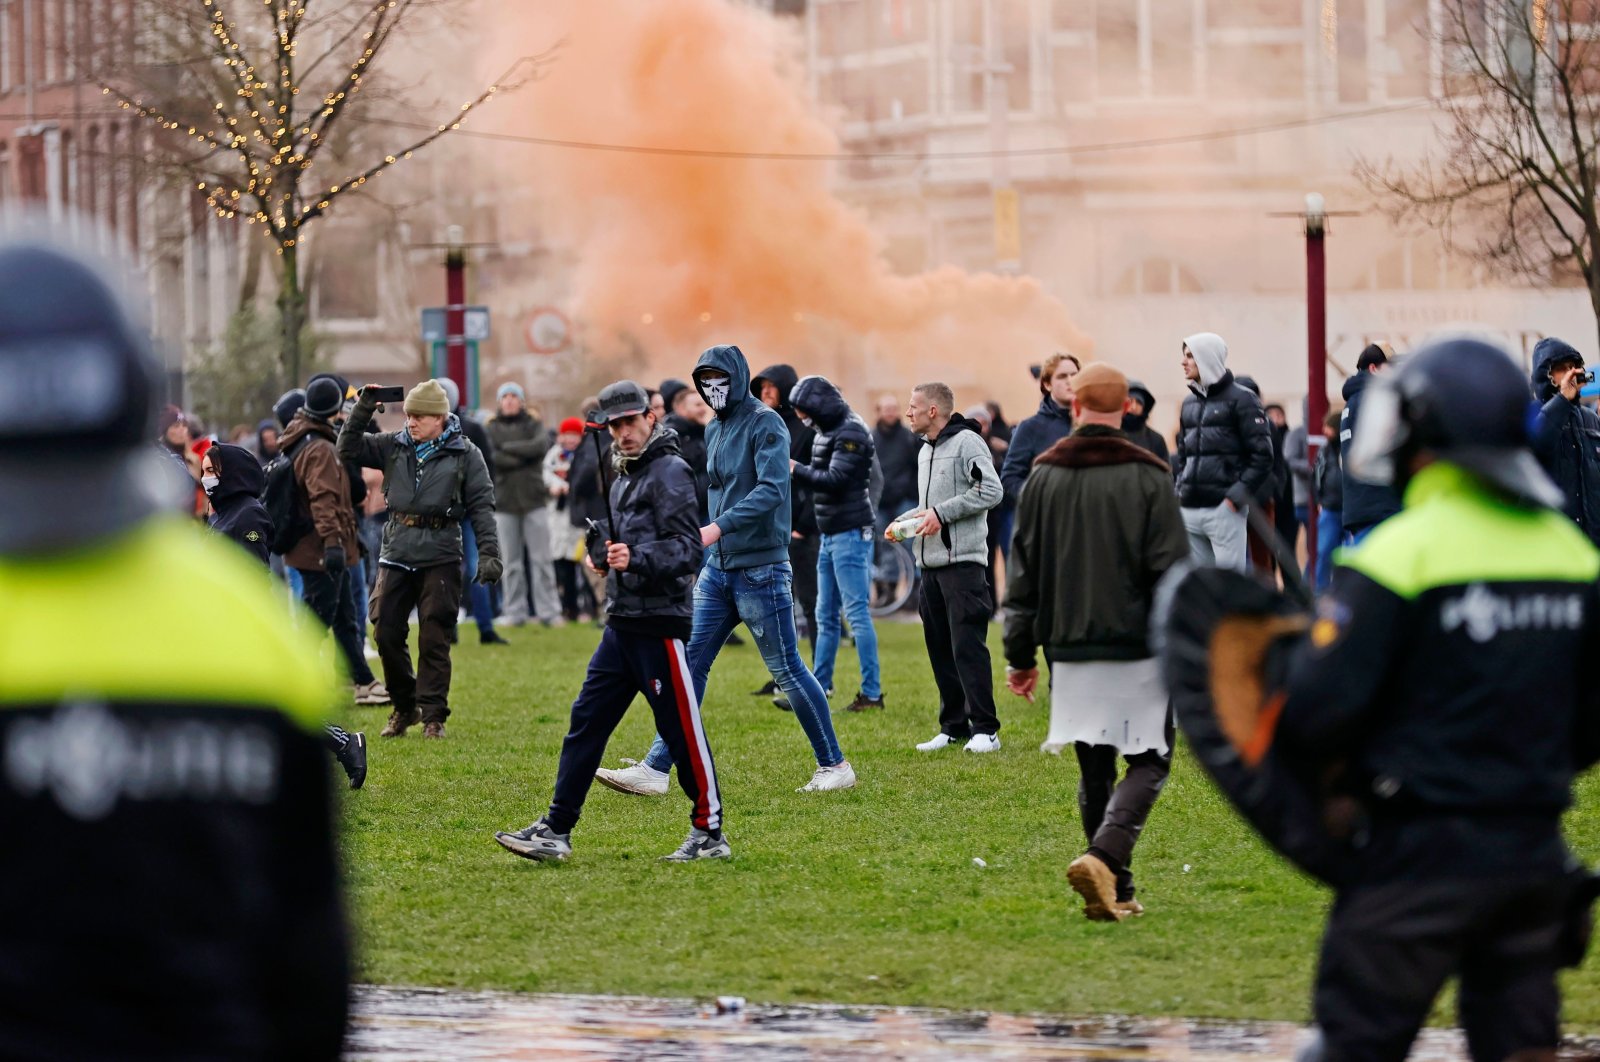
(746, 577)
(435, 480)
(233, 482)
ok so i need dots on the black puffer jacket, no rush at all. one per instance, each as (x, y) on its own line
(802, 512)
(1224, 448)
(692, 447)
(653, 503)
(840, 472)
(236, 499)
(1365, 504)
(1566, 438)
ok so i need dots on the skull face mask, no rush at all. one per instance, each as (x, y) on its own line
(714, 389)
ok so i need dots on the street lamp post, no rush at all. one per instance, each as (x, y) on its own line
(1316, 219)
(455, 312)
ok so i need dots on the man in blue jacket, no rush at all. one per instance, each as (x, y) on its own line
(1566, 434)
(1044, 429)
(747, 577)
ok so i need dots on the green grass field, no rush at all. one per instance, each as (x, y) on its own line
(867, 896)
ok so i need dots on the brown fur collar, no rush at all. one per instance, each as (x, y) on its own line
(1084, 450)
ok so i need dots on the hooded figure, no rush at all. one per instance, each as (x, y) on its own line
(805, 543)
(1136, 426)
(236, 498)
(838, 470)
(1365, 504)
(748, 449)
(1225, 455)
(1566, 435)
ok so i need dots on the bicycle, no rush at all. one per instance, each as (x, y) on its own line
(894, 577)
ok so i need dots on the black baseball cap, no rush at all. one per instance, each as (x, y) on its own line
(621, 399)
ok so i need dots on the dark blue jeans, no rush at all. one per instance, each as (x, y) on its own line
(477, 594)
(763, 599)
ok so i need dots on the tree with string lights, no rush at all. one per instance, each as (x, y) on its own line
(1517, 184)
(258, 102)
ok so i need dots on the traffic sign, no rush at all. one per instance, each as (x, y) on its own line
(435, 329)
(548, 331)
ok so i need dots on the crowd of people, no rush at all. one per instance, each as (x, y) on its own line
(1439, 679)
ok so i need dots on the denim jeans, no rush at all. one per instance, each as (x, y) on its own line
(762, 598)
(477, 594)
(844, 570)
(1330, 530)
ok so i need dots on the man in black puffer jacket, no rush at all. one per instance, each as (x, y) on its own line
(1224, 456)
(651, 563)
(840, 476)
(772, 386)
(1566, 435)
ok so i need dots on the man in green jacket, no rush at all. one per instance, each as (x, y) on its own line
(433, 478)
(1097, 526)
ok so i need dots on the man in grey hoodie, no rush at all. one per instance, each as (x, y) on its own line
(956, 488)
(1225, 454)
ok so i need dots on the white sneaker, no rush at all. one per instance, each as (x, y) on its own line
(369, 652)
(639, 780)
(984, 743)
(935, 743)
(372, 693)
(829, 778)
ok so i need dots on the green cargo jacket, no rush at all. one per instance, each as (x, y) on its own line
(454, 484)
(520, 443)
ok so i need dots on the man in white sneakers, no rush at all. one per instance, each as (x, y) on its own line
(956, 487)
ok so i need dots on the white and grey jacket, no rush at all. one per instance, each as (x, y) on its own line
(957, 480)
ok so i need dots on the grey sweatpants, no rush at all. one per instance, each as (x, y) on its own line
(1217, 537)
(530, 530)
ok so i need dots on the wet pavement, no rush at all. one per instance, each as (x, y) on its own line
(402, 1024)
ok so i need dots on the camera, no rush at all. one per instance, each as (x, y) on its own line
(1583, 376)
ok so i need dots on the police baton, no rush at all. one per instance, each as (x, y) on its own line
(1293, 583)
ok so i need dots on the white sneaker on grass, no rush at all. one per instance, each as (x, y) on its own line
(829, 778)
(935, 743)
(639, 780)
(372, 693)
(984, 743)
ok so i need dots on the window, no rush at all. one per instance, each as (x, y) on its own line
(966, 56)
(1016, 42)
(1073, 73)
(1117, 49)
(1172, 47)
(1352, 44)
(1072, 15)
(1409, 40)
(1157, 276)
(1146, 48)
(1247, 71)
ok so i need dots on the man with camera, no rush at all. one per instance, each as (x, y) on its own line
(1566, 434)
(434, 478)
(650, 560)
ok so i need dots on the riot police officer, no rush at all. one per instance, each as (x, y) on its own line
(1443, 675)
(170, 876)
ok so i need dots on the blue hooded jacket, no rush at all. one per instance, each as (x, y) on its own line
(747, 460)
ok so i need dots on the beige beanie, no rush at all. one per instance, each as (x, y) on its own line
(427, 399)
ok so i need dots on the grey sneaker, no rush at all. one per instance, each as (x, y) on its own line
(700, 845)
(538, 841)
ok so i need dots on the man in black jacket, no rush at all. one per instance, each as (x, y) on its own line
(1136, 421)
(1224, 454)
(651, 565)
(897, 456)
(839, 475)
(1566, 435)
(772, 386)
(1044, 429)
(1366, 505)
(688, 417)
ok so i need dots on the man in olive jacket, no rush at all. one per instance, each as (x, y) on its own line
(1097, 526)
(433, 478)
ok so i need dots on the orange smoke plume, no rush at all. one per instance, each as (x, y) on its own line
(674, 252)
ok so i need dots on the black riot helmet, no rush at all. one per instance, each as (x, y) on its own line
(1462, 400)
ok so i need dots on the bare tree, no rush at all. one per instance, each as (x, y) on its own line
(1515, 181)
(269, 109)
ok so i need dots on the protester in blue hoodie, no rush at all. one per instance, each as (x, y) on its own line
(747, 577)
(1566, 433)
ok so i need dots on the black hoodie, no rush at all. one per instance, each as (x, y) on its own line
(236, 499)
(1136, 426)
(802, 508)
(838, 470)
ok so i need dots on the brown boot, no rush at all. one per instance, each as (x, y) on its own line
(1095, 882)
(398, 721)
(433, 730)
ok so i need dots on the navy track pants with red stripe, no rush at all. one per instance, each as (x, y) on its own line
(623, 666)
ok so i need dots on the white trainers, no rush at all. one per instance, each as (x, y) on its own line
(639, 780)
(369, 652)
(984, 743)
(372, 693)
(830, 778)
(935, 743)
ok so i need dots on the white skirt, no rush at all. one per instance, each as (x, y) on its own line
(1122, 703)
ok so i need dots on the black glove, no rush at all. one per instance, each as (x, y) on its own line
(489, 568)
(333, 561)
(367, 397)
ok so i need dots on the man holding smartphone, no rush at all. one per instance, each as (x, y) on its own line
(1566, 434)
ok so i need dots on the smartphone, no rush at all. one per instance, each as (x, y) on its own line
(386, 394)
